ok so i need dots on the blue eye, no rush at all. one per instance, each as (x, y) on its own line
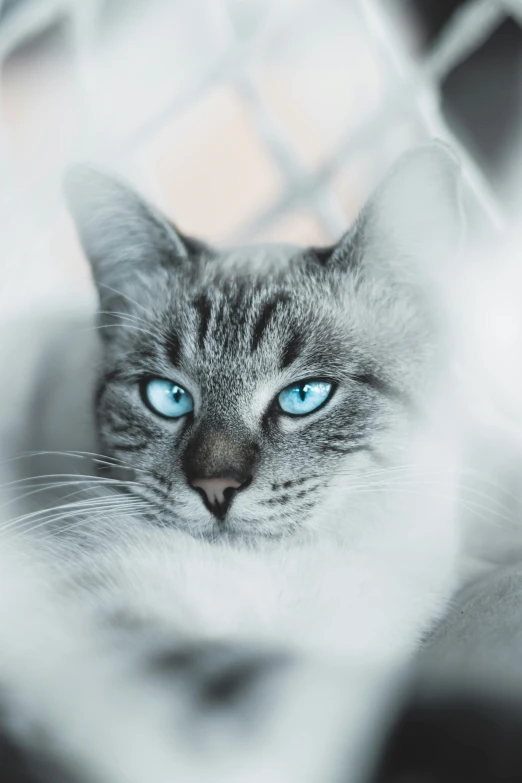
(167, 398)
(304, 397)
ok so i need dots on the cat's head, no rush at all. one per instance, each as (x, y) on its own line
(241, 386)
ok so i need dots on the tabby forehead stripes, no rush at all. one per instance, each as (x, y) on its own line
(237, 313)
(265, 318)
(203, 307)
(173, 348)
(291, 350)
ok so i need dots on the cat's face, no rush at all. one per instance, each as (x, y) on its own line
(244, 388)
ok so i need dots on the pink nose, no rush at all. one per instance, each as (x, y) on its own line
(214, 488)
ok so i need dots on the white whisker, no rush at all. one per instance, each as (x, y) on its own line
(129, 299)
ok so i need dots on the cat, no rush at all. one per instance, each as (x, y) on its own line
(319, 527)
(279, 459)
(287, 409)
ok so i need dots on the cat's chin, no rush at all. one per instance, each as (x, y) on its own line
(236, 530)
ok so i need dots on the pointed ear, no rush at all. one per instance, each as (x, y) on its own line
(414, 216)
(123, 237)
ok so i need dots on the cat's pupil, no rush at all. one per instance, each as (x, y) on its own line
(303, 391)
(176, 393)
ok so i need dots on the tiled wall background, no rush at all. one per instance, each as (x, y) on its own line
(243, 119)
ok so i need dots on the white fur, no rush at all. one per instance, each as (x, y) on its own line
(106, 719)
